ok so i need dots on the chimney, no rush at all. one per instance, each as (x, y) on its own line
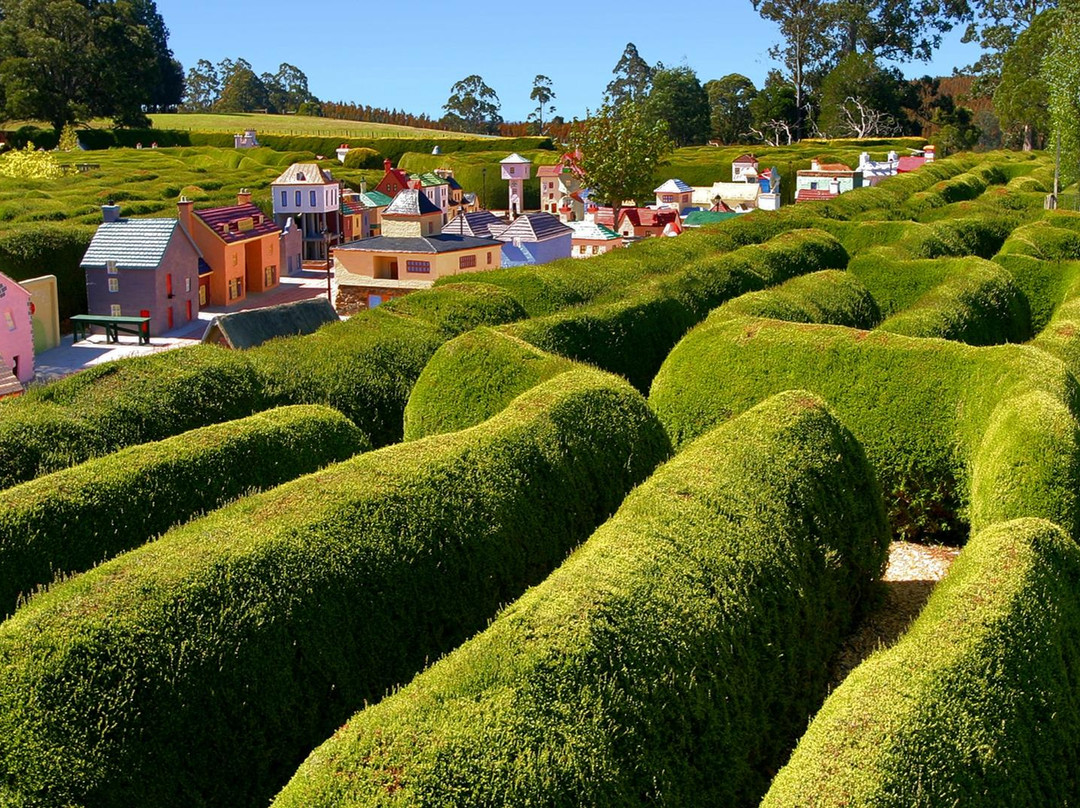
(815, 164)
(387, 165)
(184, 208)
(363, 186)
(110, 212)
(244, 197)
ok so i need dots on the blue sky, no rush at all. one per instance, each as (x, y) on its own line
(407, 54)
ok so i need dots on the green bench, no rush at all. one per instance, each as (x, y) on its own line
(139, 326)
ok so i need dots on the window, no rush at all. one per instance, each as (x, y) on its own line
(311, 197)
(417, 266)
(114, 310)
(284, 199)
(668, 198)
(466, 262)
(9, 320)
(235, 259)
(114, 284)
(489, 256)
(236, 288)
(581, 249)
(110, 267)
(299, 198)
(187, 284)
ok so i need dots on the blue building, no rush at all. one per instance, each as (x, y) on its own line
(534, 238)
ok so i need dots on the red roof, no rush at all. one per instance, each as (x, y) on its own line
(549, 171)
(832, 167)
(648, 217)
(814, 195)
(225, 222)
(745, 158)
(909, 164)
(605, 216)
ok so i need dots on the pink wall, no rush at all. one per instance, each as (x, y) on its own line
(16, 332)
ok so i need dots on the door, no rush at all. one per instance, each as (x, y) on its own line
(393, 270)
(189, 310)
(169, 317)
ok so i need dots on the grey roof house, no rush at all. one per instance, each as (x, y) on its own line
(142, 265)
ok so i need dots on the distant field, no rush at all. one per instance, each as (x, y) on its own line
(291, 125)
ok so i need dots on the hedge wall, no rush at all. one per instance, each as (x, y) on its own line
(977, 302)
(28, 251)
(939, 420)
(70, 520)
(830, 296)
(249, 635)
(364, 368)
(645, 669)
(632, 336)
(473, 377)
(975, 706)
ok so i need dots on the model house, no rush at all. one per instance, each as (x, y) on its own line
(916, 161)
(874, 171)
(560, 192)
(247, 140)
(240, 246)
(589, 239)
(744, 168)
(434, 187)
(354, 217)
(636, 222)
(411, 253)
(291, 248)
(481, 224)
(534, 238)
(515, 170)
(16, 337)
(674, 194)
(825, 181)
(311, 196)
(727, 197)
(142, 267)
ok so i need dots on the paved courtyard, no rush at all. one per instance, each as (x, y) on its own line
(70, 357)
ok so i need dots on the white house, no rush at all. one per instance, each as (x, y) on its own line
(874, 171)
(312, 197)
(516, 169)
(738, 197)
(744, 168)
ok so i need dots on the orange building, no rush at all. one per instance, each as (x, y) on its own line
(241, 246)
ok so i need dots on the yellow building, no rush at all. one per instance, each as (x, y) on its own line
(410, 254)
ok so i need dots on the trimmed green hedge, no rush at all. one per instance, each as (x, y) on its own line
(633, 335)
(648, 668)
(70, 520)
(364, 368)
(473, 377)
(29, 251)
(830, 296)
(940, 421)
(975, 706)
(247, 636)
(977, 302)
(116, 404)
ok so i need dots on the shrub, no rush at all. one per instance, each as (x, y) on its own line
(458, 307)
(977, 303)
(646, 664)
(27, 251)
(939, 420)
(70, 520)
(117, 404)
(975, 705)
(473, 377)
(830, 296)
(363, 158)
(250, 634)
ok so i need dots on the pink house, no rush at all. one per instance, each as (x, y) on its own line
(16, 335)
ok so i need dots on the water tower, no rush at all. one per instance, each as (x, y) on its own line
(516, 169)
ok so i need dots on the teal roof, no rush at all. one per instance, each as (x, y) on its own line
(131, 243)
(429, 179)
(375, 199)
(701, 217)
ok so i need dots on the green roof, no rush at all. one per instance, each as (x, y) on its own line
(698, 218)
(375, 199)
(429, 179)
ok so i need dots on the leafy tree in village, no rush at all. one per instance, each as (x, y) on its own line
(633, 77)
(59, 61)
(678, 99)
(729, 106)
(859, 98)
(542, 94)
(1021, 96)
(621, 149)
(473, 106)
(774, 112)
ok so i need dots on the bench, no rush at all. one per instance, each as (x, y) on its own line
(139, 326)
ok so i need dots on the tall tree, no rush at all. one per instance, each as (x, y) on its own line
(859, 98)
(897, 30)
(202, 87)
(805, 46)
(678, 99)
(542, 94)
(1021, 96)
(995, 25)
(1061, 70)
(729, 106)
(633, 77)
(242, 91)
(621, 149)
(60, 60)
(474, 106)
(774, 112)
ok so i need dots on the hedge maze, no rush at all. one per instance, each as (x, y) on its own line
(590, 533)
